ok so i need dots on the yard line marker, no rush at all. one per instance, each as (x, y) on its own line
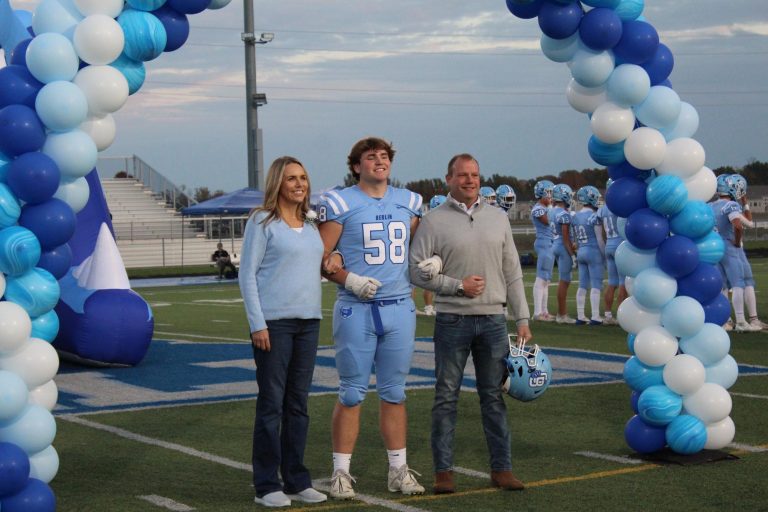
(748, 448)
(471, 472)
(318, 484)
(612, 458)
(747, 395)
(221, 321)
(168, 503)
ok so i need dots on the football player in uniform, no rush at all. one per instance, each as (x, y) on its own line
(545, 259)
(612, 241)
(506, 199)
(374, 318)
(489, 195)
(588, 231)
(563, 248)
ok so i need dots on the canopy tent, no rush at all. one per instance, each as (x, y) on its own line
(239, 202)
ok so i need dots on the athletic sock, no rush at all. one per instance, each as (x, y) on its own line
(581, 300)
(341, 461)
(594, 303)
(396, 458)
(738, 304)
(537, 297)
(545, 298)
(750, 301)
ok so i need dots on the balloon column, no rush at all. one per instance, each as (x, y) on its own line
(71, 65)
(642, 131)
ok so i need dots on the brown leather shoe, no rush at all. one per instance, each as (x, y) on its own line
(506, 480)
(444, 483)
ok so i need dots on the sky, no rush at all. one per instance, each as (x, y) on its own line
(435, 77)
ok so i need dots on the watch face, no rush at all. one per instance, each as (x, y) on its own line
(460, 292)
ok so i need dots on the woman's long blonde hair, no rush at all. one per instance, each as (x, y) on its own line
(272, 193)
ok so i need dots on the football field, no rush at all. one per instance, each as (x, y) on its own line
(175, 432)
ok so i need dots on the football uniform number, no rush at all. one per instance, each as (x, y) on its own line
(377, 251)
(321, 214)
(581, 234)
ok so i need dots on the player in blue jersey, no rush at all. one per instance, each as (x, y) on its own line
(374, 319)
(545, 260)
(488, 195)
(563, 248)
(615, 279)
(586, 227)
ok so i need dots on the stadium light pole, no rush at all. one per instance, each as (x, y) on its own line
(253, 100)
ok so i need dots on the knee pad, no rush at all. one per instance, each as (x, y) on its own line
(393, 394)
(350, 396)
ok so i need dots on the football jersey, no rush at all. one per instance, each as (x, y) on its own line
(375, 236)
(725, 210)
(543, 231)
(609, 220)
(559, 217)
(584, 223)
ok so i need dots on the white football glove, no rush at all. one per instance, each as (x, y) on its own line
(362, 286)
(430, 267)
(574, 262)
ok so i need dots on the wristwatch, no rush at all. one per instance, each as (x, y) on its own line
(460, 290)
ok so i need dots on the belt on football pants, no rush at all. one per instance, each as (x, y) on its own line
(377, 325)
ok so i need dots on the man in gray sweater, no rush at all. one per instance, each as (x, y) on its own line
(464, 252)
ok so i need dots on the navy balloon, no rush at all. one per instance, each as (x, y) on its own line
(623, 170)
(718, 310)
(703, 284)
(176, 27)
(559, 21)
(21, 131)
(189, 6)
(625, 196)
(600, 29)
(525, 10)
(36, 496)
(18, 86)
(19, 53)
(660, 65)
(56, 261)
(678, 256)
(639, 42)
(14, 469)
(644, 438)
(33, 177)
(646, 229)
(52, 222)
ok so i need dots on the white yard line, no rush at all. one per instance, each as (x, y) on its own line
(612, 458)
(747, 395)
(471, 472)
(164, 502)
(748, 448)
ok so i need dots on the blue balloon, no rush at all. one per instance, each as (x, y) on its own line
(631, 261)
(53, 222)
(724, 372)
(658, 405)
(51, 57)
(653, 288)
(631, 343)
(176, 27)
(524, 9)
(57, 260)
(559, 50)
(709, 345)
(13, 400)
(36, 496)
(74, 152)
(638, 44)
(189, 6)
(19, 53)
(18, 86)
(133, 70)
(678, 256)
(639, 376)
(145, 36)
(633, 397)
(644, 438)
(660, 109)
(61, 105)
(686, 434)
(600, 29)
(146, 5)
(623, 170)
(703, 284)
(610, 4)
(628, 85)
(660, 65)
(21, 131)
(37, 291)
(19, 250)
(10, 209)
(718, 310)
(33, 177)
(695, 220)
(14, 469)
(605, 154)
(559, 21)
(592, 68)
(711, 248)
(667, 194)
(683, 316)
(625, 196)
(46, 326)
(630, 9)
(646, 229)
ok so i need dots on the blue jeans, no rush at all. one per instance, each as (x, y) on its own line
(485, 336)
(284, 376)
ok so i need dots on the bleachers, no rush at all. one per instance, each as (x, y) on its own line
(166, 252)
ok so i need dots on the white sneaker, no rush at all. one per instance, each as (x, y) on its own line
(274, 499)
(309, 495)
(565, 319)
(544, 317)
(609, 320)
(745, 327)
(429, 310)
(402, 479)
(341, 485)
(757, 323)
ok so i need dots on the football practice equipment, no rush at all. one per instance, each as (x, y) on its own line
(588, 195)
(436, 201)
(363, 286)
(489, 195)
(505, 196)
(562, 193)
(528, 372)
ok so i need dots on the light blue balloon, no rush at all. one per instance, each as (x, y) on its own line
(686, 434)
(640, 377)
(682, 316)
(37, 291)
(630, 9)
(666, 194)
(695, 220)
(709, 345)
(44, 465)
(74, 193)
(711, 248)
(660, 109)
(146, 5)
(51, 57)
(19, 250)
(46, 326)
(13, 395)
(631, 261)
(610, 4)
(74, 152)
(133, 70)
(628, 85)
(560, 50)
(32, 430)
(621, 226)
(686, 125)
(590, 68)
(724, 372)
(145, 36)
(631, 342)
(653, 288)
(61, 106)
(60, 16)
(10, 209)
(658, 405)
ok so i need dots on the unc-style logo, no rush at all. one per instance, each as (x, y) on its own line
(537, 379)
(346, 312)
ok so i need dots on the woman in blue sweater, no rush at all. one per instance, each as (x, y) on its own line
(280, 283)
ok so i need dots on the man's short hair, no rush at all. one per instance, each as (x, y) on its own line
(367, 144)
(460, 156)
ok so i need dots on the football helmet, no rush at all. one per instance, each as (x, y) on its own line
(543, 188)
(562, 193)
(505, 196)
(489, 195)
(737, 186)
(722, 187)
(436, 201)
(529, 372)
(588, 195)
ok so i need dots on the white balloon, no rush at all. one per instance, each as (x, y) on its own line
(645, 148)
(684, 158)
(710, 403)
(720, 434)
(105, 87)
(36, 362)
(585, 99)
(44, 464)
(111, 8)
(633, 317)
(684, 374)
(655, 346)
(15, 326)
(612, 123)
(99, 39)
(74, 193)
(45, 396)
(702, 185)
(2, 289)
(629, 284)
(101, 129)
